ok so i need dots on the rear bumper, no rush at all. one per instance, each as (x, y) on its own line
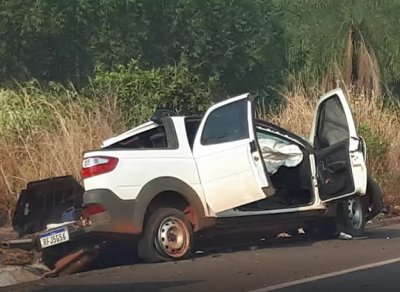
(80, 231)
(117, 221)
(118, 217)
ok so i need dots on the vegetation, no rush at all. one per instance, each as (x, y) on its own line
(140, 92)
(98, 67)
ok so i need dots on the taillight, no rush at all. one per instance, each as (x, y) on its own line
(96, 165)
(91, 210)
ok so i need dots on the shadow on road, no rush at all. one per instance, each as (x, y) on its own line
(145, 286)
(382, 233)
(216, 247)
(237, 244)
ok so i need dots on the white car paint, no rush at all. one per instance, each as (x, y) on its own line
(137, 167)
(229, 184)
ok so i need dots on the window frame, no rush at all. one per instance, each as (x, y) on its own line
(319, 134)
(170, 136)
(214, 141)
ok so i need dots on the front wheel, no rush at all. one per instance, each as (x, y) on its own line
(372, 199)
(167, 236)
(351, 216)
(350, 219)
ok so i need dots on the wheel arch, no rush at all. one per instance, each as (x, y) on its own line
(170, 187)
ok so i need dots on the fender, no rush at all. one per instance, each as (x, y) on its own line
(163, 184)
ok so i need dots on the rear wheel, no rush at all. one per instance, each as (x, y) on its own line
(167, 236)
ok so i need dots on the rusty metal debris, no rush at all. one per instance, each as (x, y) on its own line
(20, 243)
(345, 236)
(74, 262)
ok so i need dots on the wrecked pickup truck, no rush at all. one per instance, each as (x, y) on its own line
(177, 176)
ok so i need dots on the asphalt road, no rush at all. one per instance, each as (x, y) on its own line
(296, 264)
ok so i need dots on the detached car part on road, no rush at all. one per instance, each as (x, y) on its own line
(174, 177)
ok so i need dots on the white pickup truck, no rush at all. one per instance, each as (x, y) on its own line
(176, 176)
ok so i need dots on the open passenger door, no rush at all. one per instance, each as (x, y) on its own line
(227, 155)
(340, 160)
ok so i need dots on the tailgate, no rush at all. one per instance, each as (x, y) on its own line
(46, 201)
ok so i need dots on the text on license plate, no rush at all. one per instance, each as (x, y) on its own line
(54, 237)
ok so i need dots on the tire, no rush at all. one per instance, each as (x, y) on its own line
(351, 215)
(372, 199)
(167, 236)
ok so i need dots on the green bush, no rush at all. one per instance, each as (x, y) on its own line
(29, 107)
(141, 91)
(19, 111)
(376, 146)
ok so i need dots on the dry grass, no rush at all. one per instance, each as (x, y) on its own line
(43, 151)
(378, 123)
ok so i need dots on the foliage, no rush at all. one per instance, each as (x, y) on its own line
(48, 40)
(29, 108)
(18, 113)
(248, 44)
(376, 146)
(63, 40)
(140, 92)
(315, 34)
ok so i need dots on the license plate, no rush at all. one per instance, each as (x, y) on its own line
(53, 237)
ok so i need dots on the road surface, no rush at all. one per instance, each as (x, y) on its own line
(297, 264)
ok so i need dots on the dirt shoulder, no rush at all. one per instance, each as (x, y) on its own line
(15, 257)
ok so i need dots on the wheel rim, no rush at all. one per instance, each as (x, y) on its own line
(173, 237)
(355, 213)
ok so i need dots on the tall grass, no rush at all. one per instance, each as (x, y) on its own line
(51, 145)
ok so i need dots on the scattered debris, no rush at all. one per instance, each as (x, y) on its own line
(360, 237)
(283, 235)
(345, 236)
(20, 243)
(395, 210)
(74, 262)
